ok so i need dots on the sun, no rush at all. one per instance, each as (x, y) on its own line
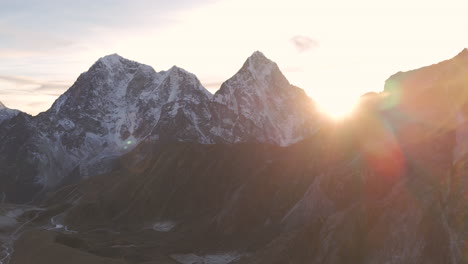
(337, 108)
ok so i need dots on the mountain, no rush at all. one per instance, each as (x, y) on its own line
(6, 113)
(279, 112)
(387, 185)
(119, 103)
(432, 100)
(108, 111)
(381, 187)
(322, 200)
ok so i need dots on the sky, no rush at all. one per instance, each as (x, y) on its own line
(334, 50)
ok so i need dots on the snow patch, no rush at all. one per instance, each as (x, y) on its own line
(56, 224)
(67, 124)
(110, 60)
(164, 226)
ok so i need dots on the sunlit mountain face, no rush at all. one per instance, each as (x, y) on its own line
(131, 165)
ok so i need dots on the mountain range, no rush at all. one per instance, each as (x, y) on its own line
(136, 166)
(119, 103)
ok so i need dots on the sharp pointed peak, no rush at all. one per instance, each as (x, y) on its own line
(259, 66)
(258, 59)
(258, 53)
(258, 56)
(2, 106)
(257, 74)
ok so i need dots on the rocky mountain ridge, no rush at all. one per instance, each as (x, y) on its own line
(119, 103)
(387, 185)
(6, 113)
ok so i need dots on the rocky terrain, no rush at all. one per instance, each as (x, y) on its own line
(251, 174)
(6, 113)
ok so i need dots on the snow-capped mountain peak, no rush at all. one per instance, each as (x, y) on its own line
(118, 103)
(258, 81)
(111, 59)
(259, 77)
(115, 64)
(259, 66)
(259, 92)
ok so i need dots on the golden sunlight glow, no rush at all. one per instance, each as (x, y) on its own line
(337, 108)
(354, 45)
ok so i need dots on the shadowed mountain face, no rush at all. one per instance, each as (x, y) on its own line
(323, 200)
(432, 100)
(6, 113)
(385, 186)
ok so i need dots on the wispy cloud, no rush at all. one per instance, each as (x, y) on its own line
(304, 43)
(49, 40)
(22, 85)
(29, 95)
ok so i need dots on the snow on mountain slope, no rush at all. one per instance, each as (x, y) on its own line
(186, 114)
(381, 187)
(259, 92)
(107, 112)
(6, 113)
(118, 103)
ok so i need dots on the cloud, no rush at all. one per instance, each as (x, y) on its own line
(51, 28)
(18, 79)
(21, 85)
(304, 43)
(52, 89)
(29, 95)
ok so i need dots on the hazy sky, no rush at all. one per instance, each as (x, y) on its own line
(335, 50)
